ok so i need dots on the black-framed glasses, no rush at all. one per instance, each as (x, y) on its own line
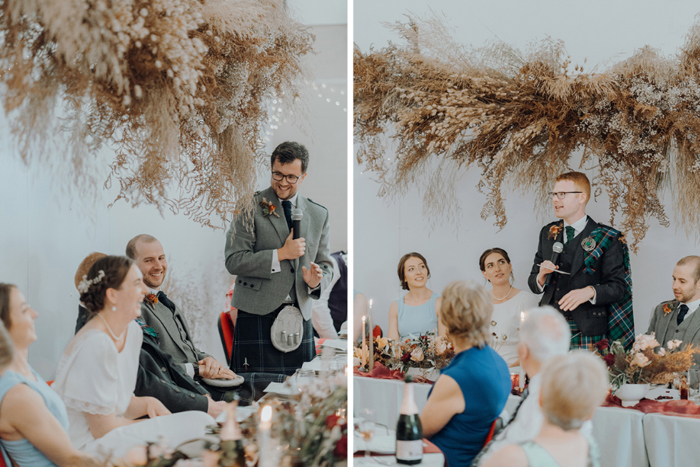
(560, 194)
(278, 176)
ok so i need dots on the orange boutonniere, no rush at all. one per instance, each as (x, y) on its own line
(554, 231)
(667, 308)
(268, 208)
(151, 298)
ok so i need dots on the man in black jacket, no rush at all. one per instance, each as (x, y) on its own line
(592, 272)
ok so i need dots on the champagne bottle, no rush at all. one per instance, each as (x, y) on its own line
(409, 431)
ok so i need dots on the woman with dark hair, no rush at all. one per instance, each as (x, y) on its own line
(472, 390)
(33, 418)
(416, 312)
(508, 302)
(96, 375)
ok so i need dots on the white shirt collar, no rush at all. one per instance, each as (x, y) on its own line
(153, 291)
(293, 199)
(579, 225)
(692, 306)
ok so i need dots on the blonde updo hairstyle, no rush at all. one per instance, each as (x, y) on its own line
(572, 387)
(115, 270)
(466, 312)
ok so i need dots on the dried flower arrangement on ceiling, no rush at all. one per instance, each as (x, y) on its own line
(519, 117)
(177, 87)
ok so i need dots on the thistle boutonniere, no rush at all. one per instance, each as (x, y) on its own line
(151, 298)
(668, 307)
(554, 231)
(268, 208)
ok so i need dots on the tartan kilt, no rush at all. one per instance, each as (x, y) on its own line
(579, 341)
(252, 343)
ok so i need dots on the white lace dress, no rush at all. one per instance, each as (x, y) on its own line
(505, 322)
(95, 378)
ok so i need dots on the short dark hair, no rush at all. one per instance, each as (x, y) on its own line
(402, 262)
(131, 246)
(5, 292)
(485, 254)
(115, 270)
(288, 152)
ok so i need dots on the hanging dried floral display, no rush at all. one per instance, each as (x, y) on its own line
(177, 87)
(519, 117)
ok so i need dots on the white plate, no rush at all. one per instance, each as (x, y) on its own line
(225, 383)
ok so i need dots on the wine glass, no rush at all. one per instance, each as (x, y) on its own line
(366, 428)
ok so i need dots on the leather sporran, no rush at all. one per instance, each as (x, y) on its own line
(287, 329)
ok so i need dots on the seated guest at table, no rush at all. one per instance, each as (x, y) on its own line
(544, 333)
(573, 387)
(83, 269)
(471, 392)
(96, 376)
(167, 319)
(508, 303)
(416, 312)
(678, 318)
(33, 418)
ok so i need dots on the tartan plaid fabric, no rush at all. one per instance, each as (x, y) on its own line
(252, 344)
(579, 341)
(621, 317)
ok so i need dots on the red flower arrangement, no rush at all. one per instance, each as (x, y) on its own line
(667, 308)
(151, 298)
(554, 231)
(268, 208)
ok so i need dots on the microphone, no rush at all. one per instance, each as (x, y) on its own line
(296, 222)
(557, 248)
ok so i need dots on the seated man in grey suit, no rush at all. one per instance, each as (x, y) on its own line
(167, 320)
(679, 318)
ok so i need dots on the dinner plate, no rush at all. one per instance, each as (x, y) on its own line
(225, 383)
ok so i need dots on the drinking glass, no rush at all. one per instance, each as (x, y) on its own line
(367, 427)
(694, 385)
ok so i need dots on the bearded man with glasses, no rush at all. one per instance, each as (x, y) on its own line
(589, 280)
(277, 272)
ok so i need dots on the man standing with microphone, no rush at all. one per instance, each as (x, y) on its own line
(582, 268)
(282, 260)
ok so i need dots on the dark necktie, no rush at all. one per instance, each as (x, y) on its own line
(681, 314)
(287, 206)
(570, 233)
(166, 301)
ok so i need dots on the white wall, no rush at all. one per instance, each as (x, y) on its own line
(597, 31)
(45, 232)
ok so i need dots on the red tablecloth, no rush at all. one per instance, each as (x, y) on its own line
(681, 408)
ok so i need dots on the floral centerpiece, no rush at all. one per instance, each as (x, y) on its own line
(427, 351)
(646, 363)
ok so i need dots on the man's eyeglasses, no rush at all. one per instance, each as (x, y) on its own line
(277, 176)
(560, 194)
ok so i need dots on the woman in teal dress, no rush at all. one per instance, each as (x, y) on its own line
(573, 386)
(416, 312)
(33, 420)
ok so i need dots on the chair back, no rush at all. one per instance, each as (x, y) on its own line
(226, 327)
(489, 437)
(377, 332)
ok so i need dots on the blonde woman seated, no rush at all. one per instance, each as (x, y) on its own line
(96, 375)
(416, 312)
(508, 303)
(573, 386)
(471, 392)
(33, 419)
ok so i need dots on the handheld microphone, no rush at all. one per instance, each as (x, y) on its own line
(296, 222)
(557, 248)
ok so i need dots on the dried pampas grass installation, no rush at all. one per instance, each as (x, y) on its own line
(519, 116)
(177, 87)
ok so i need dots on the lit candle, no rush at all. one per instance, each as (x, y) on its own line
(266, 459)
(521, 382)
(370, 325)
(363, 349)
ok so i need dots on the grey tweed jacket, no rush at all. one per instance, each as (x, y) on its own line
(249, 250)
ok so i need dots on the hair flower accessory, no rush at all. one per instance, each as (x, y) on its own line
(268, 208)
(85, 284)
(151, 298)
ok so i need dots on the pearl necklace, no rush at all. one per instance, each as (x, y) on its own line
(111, 333)
(506, 296)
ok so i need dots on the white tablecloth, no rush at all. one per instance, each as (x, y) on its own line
(626, 438)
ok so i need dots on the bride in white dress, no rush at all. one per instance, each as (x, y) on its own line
(96, 375)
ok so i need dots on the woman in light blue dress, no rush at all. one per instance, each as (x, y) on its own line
(33, 420)
(416, 312)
